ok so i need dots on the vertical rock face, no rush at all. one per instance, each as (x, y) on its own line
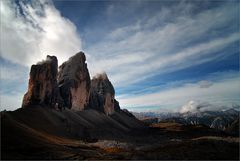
(70, 87)
(102, 94)
(74, 82)
(42, 86)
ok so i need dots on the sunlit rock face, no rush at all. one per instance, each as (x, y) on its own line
(74, 82)
(102, 94)
(42, 86)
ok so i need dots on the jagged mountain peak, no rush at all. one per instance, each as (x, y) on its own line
(74, 82)
(103, 91)
(42, 86)
(71, 86)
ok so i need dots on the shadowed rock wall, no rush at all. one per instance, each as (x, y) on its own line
(74, 82)
(42, 87)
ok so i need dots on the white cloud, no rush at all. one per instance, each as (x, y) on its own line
(222, 92)
(191, 56)
(197, 106)
(157, 45)
(29, 32)
(191, 106)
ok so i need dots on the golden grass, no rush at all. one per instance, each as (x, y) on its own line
(113, 150)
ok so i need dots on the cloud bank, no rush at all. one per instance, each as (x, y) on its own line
(196, 106)
(222, 93)
(30, 31)
(165, 42)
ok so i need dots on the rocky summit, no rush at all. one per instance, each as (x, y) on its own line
(74, 82)
(42, 87)
(102, 95)
(70, 86)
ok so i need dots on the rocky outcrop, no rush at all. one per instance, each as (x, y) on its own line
(42, 86)
(74, 82)
(70, 87)
(102, 96)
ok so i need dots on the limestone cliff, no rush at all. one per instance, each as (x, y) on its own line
(42, 86)
(102, 97)
(70, 87)
(74, 82)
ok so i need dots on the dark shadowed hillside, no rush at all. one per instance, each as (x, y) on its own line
(37, 130)
(43, 133)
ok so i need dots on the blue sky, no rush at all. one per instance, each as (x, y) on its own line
(159, 55)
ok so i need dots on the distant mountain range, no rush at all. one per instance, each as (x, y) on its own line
(221, 120)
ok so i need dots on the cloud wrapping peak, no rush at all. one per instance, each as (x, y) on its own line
(193, 106)
(30, 31)
(198, 106)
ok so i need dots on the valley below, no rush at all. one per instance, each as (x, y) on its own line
(45, 133)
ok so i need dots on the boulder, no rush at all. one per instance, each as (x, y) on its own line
(42, 86)
(74, 82)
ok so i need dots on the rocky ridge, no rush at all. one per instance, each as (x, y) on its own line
(70, 86)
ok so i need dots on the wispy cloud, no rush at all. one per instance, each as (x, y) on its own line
(13, 84)
(160, 45)
(222, 92)
(30, 31)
